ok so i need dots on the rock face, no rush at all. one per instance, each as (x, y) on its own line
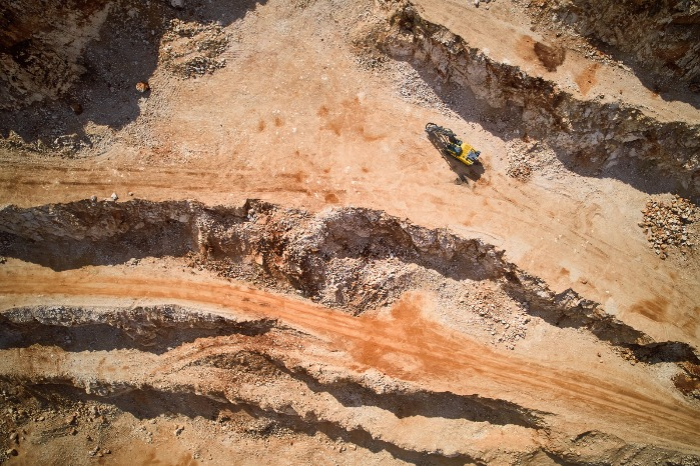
(660, 36)
(587, 135)
(148, 328)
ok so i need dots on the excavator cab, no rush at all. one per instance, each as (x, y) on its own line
(449, 144)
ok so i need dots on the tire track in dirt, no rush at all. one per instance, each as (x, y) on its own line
(438, 357)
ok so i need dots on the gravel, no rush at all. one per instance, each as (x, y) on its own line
(670, 225)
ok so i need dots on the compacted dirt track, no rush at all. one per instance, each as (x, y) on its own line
(289, 271)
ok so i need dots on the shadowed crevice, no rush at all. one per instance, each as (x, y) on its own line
(149, 403)
(153, 329)
(402, 403)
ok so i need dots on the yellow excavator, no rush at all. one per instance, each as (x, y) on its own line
(449, 144)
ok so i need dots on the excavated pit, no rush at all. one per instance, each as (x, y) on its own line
(96, 375)
(591, 137)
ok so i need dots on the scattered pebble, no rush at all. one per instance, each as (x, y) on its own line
(143, 86)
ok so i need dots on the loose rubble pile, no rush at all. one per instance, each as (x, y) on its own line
(485, 311)
(670, 225)
(519, 169)
(526, 156)
(192, 49)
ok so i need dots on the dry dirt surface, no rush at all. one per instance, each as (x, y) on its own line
(225, 237)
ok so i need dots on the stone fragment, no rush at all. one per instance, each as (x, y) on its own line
(142, 86)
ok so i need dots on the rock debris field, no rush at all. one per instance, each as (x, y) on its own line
(672, 224)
